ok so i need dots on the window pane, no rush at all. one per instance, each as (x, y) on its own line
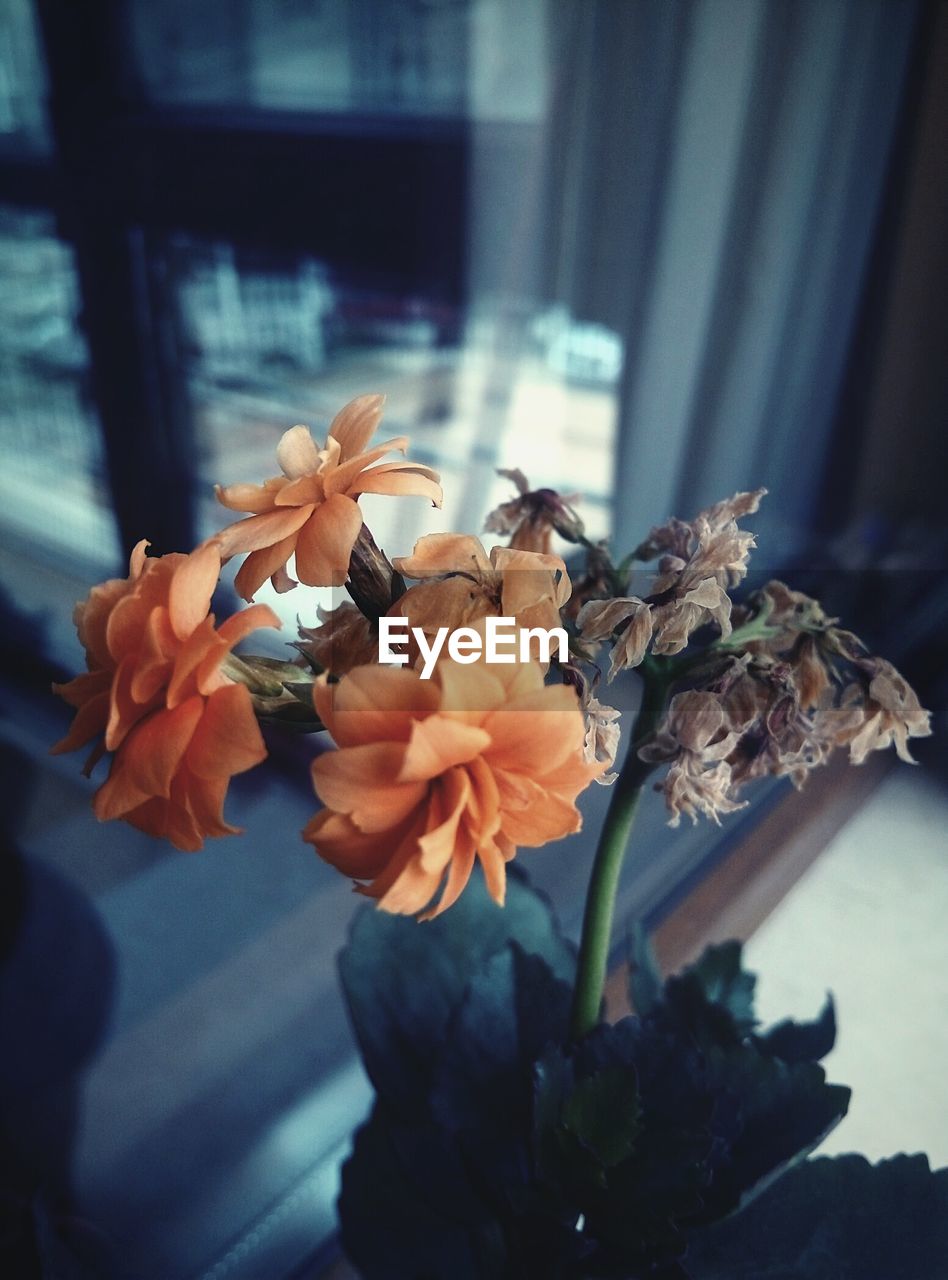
(53, 485)
(270, 346)
(22, 79)
(447, 58)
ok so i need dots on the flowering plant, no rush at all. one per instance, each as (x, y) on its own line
(515, 1132)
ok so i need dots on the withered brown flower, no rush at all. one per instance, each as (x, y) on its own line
(531, 519)
(695, 739)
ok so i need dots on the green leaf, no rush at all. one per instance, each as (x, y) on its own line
(782, 1112)
(482, 1088)
(726, 983)
(801, 1041)
(637, 1193)
(839, 1219)
(393, 1226)
(403, 981)
(603, 1114)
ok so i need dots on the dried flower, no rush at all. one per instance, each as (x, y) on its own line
(696, 739)
(533, 516)
(628, 615)
(462, 585)
(596, 583)
(311, 510)
(601, 743)
(344, 639)
(430, 775)
(156, 693)
(893, 713)
(700, 561)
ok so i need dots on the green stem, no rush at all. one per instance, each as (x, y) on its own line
(607, 866)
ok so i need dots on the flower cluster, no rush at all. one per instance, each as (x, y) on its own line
(780, 706)
(157, 696)
(470, 765)
(430, 776)
(699, 563)
(311, 511)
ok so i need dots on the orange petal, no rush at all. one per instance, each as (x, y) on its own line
(127, 621)
(438, 553)
(78, 691)
(255, 498)
(412, 891)
(192, 586)
(124, 711)
(470, 692)
(459, 873)
(495, 873)
(239, 625)
(513, 563)
(355, 424)
(92, 616)
(532, 815)
(261, 531)
(530, 738)
(266, 563)
(458, 601)
(359, 854)
(189, 657)
(227, 740)
(136, 561)
(338, 479)
(167, 820)
(399, 480)
(324, 543)
(374, 704)
(154, 658)
(90, 720)
(484, 801)
(205, 799)
(449, 799)
(298, 493)
(153, 751)
(360, 781)
(118, 795)
(438, 744)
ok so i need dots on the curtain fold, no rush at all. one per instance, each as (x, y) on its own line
(714, 181)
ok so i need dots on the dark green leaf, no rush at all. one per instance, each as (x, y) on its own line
(482, 1089)
(725, 983)
(391, 1229)
(648, 1084)
(403, 980)
(603, 1114)
(801, 1041)
(840, 1219)
(781, 1112)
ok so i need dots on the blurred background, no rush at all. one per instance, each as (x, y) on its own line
(649, 251)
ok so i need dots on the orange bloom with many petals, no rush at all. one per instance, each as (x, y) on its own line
(311, 510)
(431, 774)
(464, 585)
(157, 697)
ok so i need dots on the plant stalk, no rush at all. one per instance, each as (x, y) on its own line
(610, 855)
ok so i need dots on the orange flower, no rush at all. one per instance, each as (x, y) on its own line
(312, 510)
(155, 693)
(431, 774)
(465, 585)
